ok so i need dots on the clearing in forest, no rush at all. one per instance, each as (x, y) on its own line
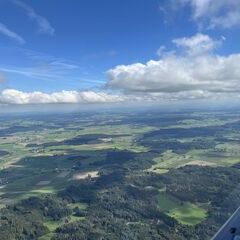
(84, 175)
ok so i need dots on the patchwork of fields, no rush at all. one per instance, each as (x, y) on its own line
(47, 154)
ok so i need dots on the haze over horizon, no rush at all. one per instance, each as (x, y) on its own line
(119, 51)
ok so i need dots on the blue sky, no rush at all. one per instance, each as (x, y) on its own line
(53, 46)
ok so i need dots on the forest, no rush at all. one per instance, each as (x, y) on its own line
(132, 177)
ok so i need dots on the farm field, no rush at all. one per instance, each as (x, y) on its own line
(185, 213)
(90, 164)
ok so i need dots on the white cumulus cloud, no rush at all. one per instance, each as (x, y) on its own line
(198, 44)
(197, 71)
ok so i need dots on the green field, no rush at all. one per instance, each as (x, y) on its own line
(222, 155)
(82, 206)
(170, 160)
(53, 225)
(184, 212)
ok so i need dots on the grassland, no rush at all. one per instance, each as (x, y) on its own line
(226, 154)
(183, 212)
(169, 160)
(53, 225)
(82, 206)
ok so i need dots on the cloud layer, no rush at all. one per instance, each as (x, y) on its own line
(193, 69)
(12, 96)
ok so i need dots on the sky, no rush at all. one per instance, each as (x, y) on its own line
(111, 51)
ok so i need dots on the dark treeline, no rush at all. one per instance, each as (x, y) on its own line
(160, 146)
(121, 205)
